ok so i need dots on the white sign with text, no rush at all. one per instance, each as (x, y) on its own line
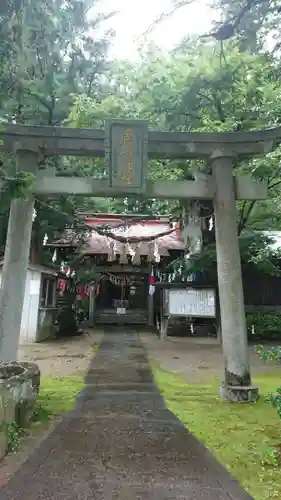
(192, 302)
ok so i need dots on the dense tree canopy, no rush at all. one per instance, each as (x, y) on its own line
(54, 70)
(50, 54)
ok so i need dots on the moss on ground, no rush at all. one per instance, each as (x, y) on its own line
(245, 438)
(57, 395)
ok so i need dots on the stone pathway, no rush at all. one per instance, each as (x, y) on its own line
(121, 442)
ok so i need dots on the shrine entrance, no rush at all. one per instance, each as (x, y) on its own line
(126, 147)
(122, 299)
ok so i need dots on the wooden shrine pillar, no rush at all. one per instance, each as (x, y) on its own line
(92, 303)
(237, 384)
(16, 261)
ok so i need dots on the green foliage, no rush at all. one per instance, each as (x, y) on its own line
(57, 72)
(257, 23)
(57, 395)
(275, 400)
(273, 354)
(255, 250)
(248, 443)
(41, 415)
(19, 186)
(270, 457)
(15, 435)
(263, 326)
(49, 53)
(192, 89)
(85, 276)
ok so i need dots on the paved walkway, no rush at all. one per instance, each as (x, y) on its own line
(121, 442)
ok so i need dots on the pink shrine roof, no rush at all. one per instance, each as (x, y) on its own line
(130, 227)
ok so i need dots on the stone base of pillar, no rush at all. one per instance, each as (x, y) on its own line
(238, 393)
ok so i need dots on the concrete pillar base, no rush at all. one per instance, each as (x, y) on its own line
(239, 393)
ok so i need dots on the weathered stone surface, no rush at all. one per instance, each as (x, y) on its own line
(7, 412)
(19, 386)
(239, 393)
(3, 434)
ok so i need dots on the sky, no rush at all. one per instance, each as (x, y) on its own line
(134, 17)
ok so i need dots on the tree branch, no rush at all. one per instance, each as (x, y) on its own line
(246, 216)
(274, 185)
(164, 15)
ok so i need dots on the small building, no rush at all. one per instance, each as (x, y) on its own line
(124, 266)
(39, 303)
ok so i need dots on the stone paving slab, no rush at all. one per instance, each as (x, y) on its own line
(121, 442)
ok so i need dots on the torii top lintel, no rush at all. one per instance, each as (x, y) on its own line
(53, 141)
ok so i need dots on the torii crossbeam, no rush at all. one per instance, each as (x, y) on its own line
(126, 146)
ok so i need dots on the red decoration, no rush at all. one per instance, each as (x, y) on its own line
(62, 286)
(152, 280)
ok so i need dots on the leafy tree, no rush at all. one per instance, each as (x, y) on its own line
(194, 91)
(49, 53)
(253, 22)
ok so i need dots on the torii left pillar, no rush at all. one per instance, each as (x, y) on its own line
(16, 262)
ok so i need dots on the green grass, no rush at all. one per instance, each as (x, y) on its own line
(245, 438)
(57, 395)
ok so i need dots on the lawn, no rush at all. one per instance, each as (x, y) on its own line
(57, 395)
(245, 438)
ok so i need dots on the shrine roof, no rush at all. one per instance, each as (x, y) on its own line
(126, 226)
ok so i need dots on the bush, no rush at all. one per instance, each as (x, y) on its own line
(263, 326)
(15, 435)
(273, 354)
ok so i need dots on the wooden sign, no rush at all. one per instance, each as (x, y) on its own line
(126, 155)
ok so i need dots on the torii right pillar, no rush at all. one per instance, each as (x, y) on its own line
(236, 386)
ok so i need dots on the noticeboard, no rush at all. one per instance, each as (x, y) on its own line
(126, 154)
(191, 302)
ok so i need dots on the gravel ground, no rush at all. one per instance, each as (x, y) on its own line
(196, 359)
(59, 358)
(62, 357)
(121, 442)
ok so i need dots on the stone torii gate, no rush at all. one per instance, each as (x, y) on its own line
(127, 145)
